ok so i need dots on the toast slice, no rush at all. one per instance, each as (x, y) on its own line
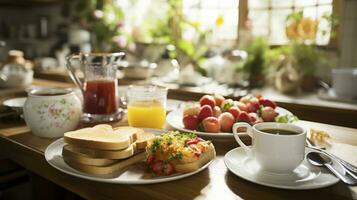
(73, 156)
(139, 144)
(103, 137)
(144, 139)
(207, 156)
(75, 151)
(106, 169)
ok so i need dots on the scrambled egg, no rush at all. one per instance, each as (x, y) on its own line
(177, 147)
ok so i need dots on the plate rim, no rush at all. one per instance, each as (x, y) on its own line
(275, 185)
(172, 114)
(6, 102)
(60, 141)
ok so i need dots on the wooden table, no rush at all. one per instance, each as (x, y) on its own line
(216, 182)
(18, 144)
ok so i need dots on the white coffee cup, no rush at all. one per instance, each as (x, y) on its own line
(273, 152)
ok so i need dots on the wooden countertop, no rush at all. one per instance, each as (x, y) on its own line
(216, 182)
(18, 144)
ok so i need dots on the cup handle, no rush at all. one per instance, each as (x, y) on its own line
(237, 125)
(72, 72)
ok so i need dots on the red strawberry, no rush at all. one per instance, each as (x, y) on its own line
(243, 117)
(162, 168)
(190, 122)
(253, 106)
(150, 159)
(157, 167)
(234, 110)
(205, 111)
(168, 169)
(211, 124)
(208, 100)
(194, 141)
(267, 103)
(226, 121)
(219, 99)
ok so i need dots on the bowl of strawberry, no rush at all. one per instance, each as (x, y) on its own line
(215, 115)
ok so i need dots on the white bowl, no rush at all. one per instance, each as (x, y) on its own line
(344, 82)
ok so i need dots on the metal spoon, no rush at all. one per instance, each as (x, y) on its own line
(319, 159)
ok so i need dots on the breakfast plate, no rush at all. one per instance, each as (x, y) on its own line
(305, 176)
(174, 119)
(135, 174)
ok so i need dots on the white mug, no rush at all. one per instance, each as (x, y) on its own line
(274, 153)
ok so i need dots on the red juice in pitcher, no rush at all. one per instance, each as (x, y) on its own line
(100, 97)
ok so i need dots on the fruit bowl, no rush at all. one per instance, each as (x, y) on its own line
(174, 119)
(214, 116)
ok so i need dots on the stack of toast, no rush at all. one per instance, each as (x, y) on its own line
(103, 150)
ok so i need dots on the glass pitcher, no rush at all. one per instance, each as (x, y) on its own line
(99, 86)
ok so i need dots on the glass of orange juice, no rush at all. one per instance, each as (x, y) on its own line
(146, 106)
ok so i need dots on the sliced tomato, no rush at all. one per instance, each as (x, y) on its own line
(194, 141)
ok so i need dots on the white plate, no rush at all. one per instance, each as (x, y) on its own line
(15, 103)
(174, 119)
(132, 175)
(172, 104)
(305, 176)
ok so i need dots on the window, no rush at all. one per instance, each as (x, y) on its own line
(268, 17)
(225, 17)
(221, 16)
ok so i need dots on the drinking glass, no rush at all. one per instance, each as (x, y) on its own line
(99, 87)
(146, 106)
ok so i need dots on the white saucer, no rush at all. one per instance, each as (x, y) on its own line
(330, 95)
(15, 103)
(303, 177)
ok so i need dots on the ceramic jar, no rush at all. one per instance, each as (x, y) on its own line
(52, 112)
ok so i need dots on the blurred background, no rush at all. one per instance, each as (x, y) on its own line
(290, 45)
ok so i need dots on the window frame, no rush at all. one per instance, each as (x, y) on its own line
(336, 10)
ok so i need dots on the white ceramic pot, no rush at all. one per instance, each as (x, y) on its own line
(344, 82)
(52, 112)
(15, 75)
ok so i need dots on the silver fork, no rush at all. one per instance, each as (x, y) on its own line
(349, 168)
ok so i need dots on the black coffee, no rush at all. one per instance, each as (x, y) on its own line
(279, 131)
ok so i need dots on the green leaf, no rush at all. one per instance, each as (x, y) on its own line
(286, 118)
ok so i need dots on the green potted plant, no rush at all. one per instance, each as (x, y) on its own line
(302, 33)
(257, 62)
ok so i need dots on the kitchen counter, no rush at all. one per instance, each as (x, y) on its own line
(307, 106)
